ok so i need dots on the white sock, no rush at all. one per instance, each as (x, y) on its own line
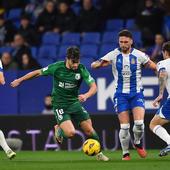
(124, 137)
(162, 133)
(3, 143)
(138, 130)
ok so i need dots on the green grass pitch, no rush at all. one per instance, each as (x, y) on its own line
(64, 160)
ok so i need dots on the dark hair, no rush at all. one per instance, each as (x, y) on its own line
(166, 47)
(73, 53)
(125, 33)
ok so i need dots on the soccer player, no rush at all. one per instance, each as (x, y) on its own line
(67, 78)
(163, 115)
(126, 67)
(10, 154)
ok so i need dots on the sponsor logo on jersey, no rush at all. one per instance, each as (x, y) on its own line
(77, 76)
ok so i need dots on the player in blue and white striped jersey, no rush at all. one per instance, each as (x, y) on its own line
(127, 63)
(163, 115)
(10, 154)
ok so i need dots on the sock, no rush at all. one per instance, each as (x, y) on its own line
(124, 137)
(138, 130)
(61, 133)
(3, 142)
(162, 133)
(95, 136)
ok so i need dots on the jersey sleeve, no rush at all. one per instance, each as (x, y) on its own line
(49, 70)
(144, 58)
(86, 76)
(1, 67)
(109, 56)
(160, 67)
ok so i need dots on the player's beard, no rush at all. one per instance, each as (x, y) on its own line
(125, 49)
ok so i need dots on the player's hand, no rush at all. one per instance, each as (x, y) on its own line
(2, 82)
(95, 64)
(157, 101)
(15, 83)
(82, 97)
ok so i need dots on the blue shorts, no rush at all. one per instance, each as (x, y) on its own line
(164, 111)
(125, 102)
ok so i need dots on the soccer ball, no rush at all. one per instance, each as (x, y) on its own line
(91, 147)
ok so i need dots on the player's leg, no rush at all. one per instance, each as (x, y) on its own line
(156, 125)
(121, 106)
(10, 154)
(138, 130)
(138, 110)
(124, 135)
(64, 127)
(86, 126)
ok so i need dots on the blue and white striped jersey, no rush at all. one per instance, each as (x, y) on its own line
(126, 69)
(165, 65)
(1, 67)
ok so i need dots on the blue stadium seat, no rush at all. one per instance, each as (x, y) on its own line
(45, 62)
(137, 37)
(34, 52)
(130, 24)
(47, 52)
(86, 61)
(106, 48)
(91, 38)
(62, 52)
(114, 24)
(71, 39)
(89, 51)
(8, 49)
(14, 14)
(51, 38)
(110, 37)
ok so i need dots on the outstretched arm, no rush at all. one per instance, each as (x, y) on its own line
(2, 79)
(91, 92)
(150, 64)
(162, 82)
(100, 63)
(28, 76)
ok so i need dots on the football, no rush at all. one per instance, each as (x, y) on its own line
(91, 147)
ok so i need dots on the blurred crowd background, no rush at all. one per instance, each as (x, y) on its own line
(35, 33)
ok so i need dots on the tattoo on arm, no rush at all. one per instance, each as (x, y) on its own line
(162, 81)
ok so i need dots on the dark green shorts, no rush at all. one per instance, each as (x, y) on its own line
(73, 112)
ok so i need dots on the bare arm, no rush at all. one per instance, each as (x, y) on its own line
(98, 64)
(162, 82)
(2, 79)
(28, 76)
(150, 64)
(91, 92)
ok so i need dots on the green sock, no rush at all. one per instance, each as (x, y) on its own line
(61, 133)
(95, 136)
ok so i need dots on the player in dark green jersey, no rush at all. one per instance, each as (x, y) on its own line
(66, 100)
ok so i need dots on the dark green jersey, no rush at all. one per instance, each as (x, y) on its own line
(66, 82)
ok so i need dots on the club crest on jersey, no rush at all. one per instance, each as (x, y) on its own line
(77, 76)
(133, 61)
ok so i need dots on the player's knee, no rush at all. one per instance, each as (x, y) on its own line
(70, 133)
(124, 130)
(152, 125)
(138, 126)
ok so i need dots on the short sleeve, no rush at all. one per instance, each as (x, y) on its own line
(110, 56)
(49, 70)
(86, 76)
(160, 67)
(144, 58)
(1, 67)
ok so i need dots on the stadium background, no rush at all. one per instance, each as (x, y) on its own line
(20, 108)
